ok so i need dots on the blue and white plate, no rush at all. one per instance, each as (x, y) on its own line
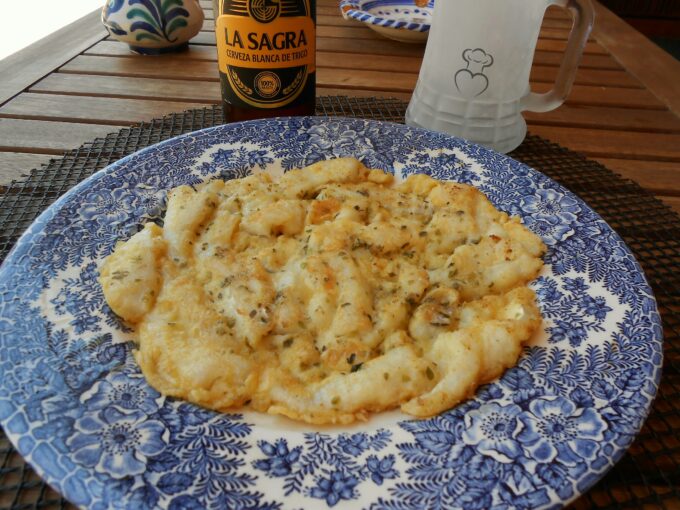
(401, 20)
(77, 408)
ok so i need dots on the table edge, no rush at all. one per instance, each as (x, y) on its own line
(36, 61)
(656, 69)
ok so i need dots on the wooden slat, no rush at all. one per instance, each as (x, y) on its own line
(565, 23)
(593, 48)
(604, 77)
(206, 38)
(657, 70)
(198, 52)
(336, 20)
(347, 61)
(130, 87)
(332, 10)
(362, 31)
(332, 19)
(96, 110)
(337, 91)
(27, 66)
(365, 79)
(327, 15)
(193, 69)
(406, 62)
(389, 47)
(405, 82)
(208, 91)
(334, 3)
(353, 60)
(119, 49)
(552, 58)
(608, 96)
(648, 121)
(661, 177)
(15, 165)
(327, 10)
(151, 68)
(331, 7)
(43, 137)
(379, 45)
(161, 89)
(120, 111)
(614, 144)
(672, 202)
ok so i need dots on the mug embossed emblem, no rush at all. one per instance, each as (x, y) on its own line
(471, 81)
(483, 97)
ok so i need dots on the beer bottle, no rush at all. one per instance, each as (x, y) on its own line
(266, 52)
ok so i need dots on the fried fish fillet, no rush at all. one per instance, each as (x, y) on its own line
(304, 294)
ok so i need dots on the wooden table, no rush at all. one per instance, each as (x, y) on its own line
(76, 84)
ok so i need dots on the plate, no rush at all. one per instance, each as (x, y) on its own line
(75, 405)
(400, 20)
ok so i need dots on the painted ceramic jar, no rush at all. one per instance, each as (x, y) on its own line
(153, 26)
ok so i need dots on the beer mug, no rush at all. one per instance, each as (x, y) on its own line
(474, 79)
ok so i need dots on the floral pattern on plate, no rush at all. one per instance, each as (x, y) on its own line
(76, 406)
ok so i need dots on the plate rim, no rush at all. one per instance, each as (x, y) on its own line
(87, 182)
(353, 9)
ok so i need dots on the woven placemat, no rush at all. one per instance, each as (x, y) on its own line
(648, 476)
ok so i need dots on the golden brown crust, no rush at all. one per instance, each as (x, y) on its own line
(303, 295)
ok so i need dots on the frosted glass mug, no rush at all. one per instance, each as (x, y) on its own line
(474, 80)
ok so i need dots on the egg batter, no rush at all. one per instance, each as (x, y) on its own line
(327, 294)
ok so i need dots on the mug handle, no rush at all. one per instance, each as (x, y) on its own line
(584, 15)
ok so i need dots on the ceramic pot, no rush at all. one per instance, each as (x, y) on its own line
(153, 26)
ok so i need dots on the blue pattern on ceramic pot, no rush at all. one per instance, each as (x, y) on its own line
(152, 27)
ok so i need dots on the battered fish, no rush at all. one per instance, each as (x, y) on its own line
(301, 295)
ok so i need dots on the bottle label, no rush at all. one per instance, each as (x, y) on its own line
(265, 50)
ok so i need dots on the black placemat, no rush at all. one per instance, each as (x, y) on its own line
(649, 474)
